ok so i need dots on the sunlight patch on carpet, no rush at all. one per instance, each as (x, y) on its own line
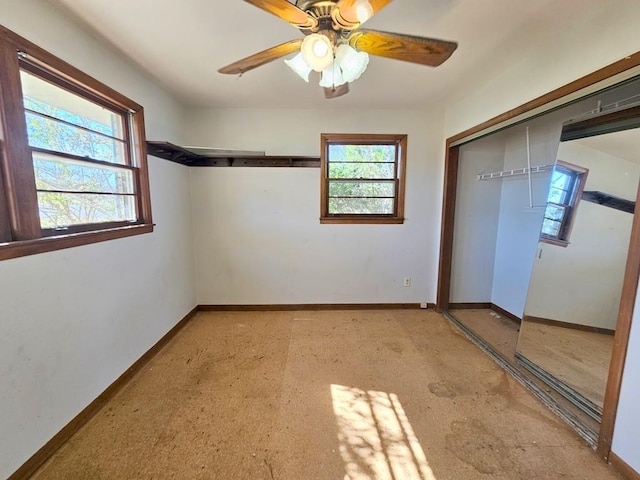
(376, 440)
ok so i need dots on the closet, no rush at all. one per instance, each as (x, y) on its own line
(539, 242)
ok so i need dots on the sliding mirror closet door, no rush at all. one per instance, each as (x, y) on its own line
(501, 194)
(570, 315)
(512, 211)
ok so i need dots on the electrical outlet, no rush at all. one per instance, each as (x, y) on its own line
(407, 281)
(424, 305)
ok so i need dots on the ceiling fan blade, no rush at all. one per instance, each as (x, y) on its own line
(350, 14)
(261, 58)
(409, 48)
(287, 12)
(336, 92)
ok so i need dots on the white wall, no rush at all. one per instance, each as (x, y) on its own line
(582, 283)
(573, 51)
(73, 320)
(257, 230)
(476, 220)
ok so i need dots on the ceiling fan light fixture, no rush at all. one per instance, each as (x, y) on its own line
(364, 10)
(332, 77)
(352, 62)
(299, 65)
(332, 40)
(317, 51)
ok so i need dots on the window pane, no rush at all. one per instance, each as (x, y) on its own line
(361, 170)
(50, 134)
(67, 209)
(361, 189)
(380, 206)
(44, 97)
(561, 186)
(551, 228)
(558, 196)
(362, 153)
(555, 212)
(57, 173)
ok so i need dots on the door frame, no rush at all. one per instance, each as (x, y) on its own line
(579, 88)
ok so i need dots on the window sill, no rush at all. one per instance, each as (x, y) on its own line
(49, 244)
(553, 241)
(361, 220)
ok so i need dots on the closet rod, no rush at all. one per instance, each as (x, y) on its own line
(514, 172)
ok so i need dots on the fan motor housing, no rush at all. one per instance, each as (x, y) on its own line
(320, 10)
(317, 8)
(328, 17)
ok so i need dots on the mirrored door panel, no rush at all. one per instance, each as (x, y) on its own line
(570, 314)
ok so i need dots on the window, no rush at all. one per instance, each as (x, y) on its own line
(73, 156)
(362, 178)
(567, 184)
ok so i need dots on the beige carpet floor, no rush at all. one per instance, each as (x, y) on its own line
(348, 395)
(494, 328)
(578, 358)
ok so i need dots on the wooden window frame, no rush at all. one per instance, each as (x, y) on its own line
(399, 141)
(571, 208)
(20, 230)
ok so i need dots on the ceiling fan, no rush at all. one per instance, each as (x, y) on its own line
(335, 45)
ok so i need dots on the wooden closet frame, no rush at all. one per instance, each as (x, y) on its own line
(630, 286)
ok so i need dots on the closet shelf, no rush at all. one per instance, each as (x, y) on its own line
(515, 171)
(212, 157)
(608, 200)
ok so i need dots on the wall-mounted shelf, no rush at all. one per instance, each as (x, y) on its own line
(610, 201)
(515, 172)
(184, 156)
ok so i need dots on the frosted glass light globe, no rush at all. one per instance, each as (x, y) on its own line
(300, 66)
(320, 49)
(317, 51)
(364, 10)
(332, 77)
(352, 62)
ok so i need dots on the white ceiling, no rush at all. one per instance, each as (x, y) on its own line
(183, 43)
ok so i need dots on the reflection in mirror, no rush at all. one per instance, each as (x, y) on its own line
(565, 190)
(570, 314)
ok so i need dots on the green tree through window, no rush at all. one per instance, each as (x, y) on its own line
(363, 178)
(78, 160)
(73, 158)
